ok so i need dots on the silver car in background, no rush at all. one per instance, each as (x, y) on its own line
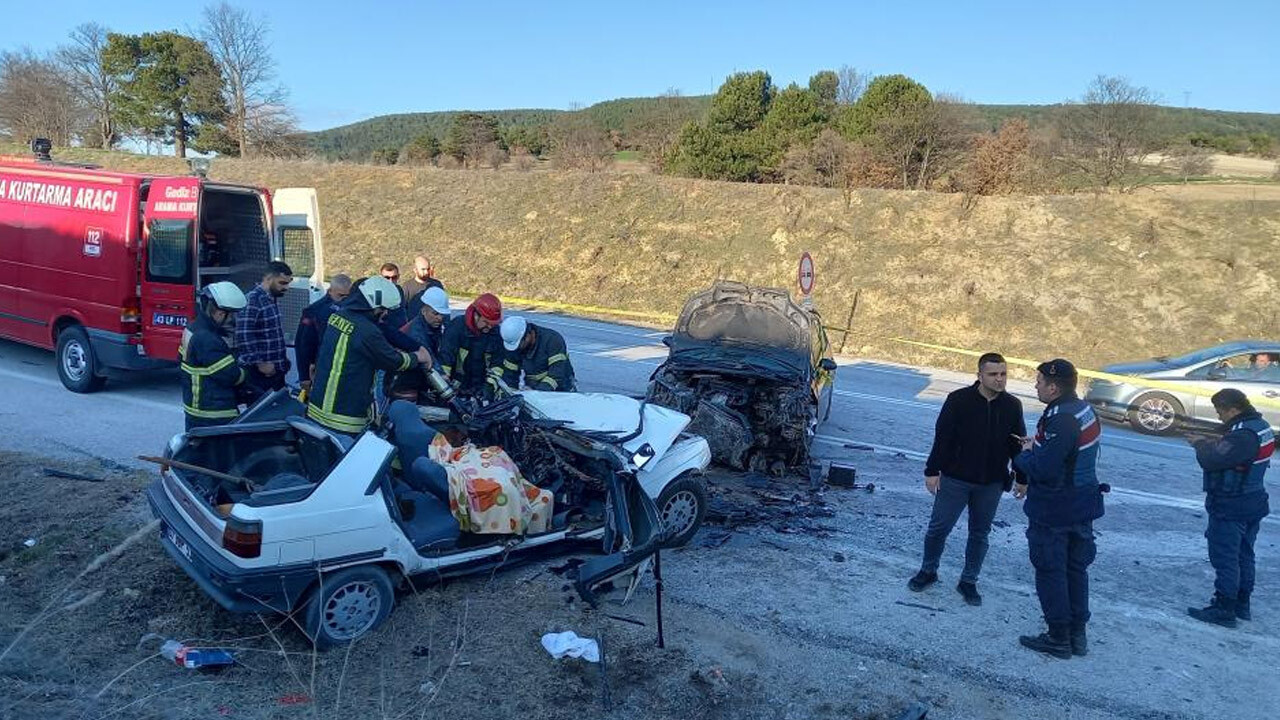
(1252, 366)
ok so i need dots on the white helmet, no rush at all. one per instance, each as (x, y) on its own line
(380, 292)
(225, 295)
(436, 299)
(512, 330)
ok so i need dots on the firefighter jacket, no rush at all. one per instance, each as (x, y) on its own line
(352, 350)
(466, 355)
(306, 341)
(1061, 466)
(211, 373)
(545, 366)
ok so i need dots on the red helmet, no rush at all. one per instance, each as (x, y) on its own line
(489, 307)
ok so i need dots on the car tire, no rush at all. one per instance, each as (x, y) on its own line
(349, 604)
(77, 365)
(1156, 413)
(682, 505)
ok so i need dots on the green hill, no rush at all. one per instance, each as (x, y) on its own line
(1226, 131)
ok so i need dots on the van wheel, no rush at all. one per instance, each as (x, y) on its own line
(348, 605)
(76, 362)
(682, 505)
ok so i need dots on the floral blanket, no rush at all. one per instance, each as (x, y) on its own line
(487, 493)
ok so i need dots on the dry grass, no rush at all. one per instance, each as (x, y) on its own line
(1096, 278)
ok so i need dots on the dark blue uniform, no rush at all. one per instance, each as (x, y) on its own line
(1063, 500)
(211, 374)
(545, 366)
(1236, 500)
(466, 356)
(306, 342)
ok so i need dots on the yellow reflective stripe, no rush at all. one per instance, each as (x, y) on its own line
(462, 357)
(211, 369)
(335, 372)
(195, 390)
(341, 423)
(446, 369)
(210, 414)
(510, 365)
(558, 357)
(542, 378)
(407, 362)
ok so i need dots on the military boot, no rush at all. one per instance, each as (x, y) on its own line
(1079, 641)
(1056, 642)
(1242, 607)
(1220, 611)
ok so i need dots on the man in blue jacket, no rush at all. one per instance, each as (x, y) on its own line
(315, 318)
(1235, 500)
(1063, 498)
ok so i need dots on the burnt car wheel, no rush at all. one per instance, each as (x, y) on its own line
(348, 605)
(682, 505)
(1155, 413)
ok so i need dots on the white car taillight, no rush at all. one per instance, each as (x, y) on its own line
(242, 538)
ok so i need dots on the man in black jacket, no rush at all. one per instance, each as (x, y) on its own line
(975, 438)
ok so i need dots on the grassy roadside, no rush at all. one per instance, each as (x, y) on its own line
(1097, 278)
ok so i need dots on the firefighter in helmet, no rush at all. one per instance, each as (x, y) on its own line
(211, 372)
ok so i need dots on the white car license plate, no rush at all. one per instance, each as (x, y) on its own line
(172, 536)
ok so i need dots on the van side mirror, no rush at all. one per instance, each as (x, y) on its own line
(827, 364)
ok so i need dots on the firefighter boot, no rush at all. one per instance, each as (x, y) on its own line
(1220, 611)
(1056, 642)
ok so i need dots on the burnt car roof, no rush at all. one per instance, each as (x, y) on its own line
(752, 329)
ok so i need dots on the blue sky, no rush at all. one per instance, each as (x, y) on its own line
(345, 61)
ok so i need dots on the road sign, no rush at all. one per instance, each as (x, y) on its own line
(805, 274)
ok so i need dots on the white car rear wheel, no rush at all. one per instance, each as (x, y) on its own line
(349, 604)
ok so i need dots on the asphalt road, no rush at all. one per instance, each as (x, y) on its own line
(837, 625)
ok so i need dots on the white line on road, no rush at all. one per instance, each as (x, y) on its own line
(47, 382)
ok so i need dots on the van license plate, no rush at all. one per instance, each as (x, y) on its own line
(172, 536)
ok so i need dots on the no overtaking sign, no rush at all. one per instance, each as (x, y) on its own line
(805, 275)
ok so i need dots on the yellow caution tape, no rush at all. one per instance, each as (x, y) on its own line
(1257, 400)
(551, 305)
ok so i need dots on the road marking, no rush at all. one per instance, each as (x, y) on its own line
(543, 318)
(635, 353)
(141, 402)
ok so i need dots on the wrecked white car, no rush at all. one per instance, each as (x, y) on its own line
(275, 513)
(754, 371)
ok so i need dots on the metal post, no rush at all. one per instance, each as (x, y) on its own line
(657, 576)
(848, 324)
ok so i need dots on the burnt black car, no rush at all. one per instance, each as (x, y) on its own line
(754, 371)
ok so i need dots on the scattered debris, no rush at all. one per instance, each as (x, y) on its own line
(715, 538)
(838, 557)
(30, 542)
(712, 679)
(918, 605)
(569, 644)
(841, 475)
(625, 619)
(532, 577)
(1000, 523)
(420, 651)
(196, 658)
(427, 687)
(757, 481)
(294, 699)
(569, 568)
(51, 472)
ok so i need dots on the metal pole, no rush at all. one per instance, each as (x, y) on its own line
(657, 576)
(848, 324)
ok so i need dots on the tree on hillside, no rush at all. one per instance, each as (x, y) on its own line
(1001, 162)
(826, 86)
(851, 85)
(533, 138)
(578, 143)
(422, 150)
(884, 98)
(795, 117)
(258, 116)
(169, 86)
(36, 99)
(657, 130)
(471, 138)
(731, 144)
(1108, 131)
(1188, 161)
(83, 65)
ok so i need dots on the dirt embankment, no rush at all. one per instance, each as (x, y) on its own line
(1097, 278)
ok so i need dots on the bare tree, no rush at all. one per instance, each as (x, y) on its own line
(37, 100)
(1109, 131)
(924, 141)
(84, 68)
(259, 117)
(1001, 162)
(578, 143)
(852, 85)
(1188, 161)
(658, 130)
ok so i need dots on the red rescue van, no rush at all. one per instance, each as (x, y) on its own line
(103, 267)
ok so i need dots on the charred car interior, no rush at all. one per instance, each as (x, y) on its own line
(754, 372)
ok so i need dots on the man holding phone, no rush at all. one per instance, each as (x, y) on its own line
(968, 467)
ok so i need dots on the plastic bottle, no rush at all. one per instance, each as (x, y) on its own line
(196, 658)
